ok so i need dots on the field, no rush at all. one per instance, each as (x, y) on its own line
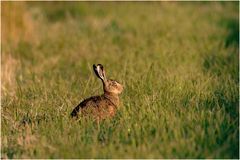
(178, 62)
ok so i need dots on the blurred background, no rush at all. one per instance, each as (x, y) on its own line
(178, 62)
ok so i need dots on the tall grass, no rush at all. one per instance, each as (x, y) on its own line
(178, 62)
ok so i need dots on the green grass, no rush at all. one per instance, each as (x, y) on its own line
(178, 62)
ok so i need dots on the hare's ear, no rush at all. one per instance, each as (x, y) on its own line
(99, 71)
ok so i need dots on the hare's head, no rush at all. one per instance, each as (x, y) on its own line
(109, 86)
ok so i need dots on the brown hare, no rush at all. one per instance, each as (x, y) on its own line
(104, 106)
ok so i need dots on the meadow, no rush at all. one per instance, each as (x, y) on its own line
(178, 62)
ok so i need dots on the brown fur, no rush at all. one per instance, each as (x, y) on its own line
(104, 106)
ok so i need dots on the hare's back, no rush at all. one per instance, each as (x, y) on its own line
(97, 106)
(87, 105)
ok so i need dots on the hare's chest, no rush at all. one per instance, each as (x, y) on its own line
(111, 111)
(106, 111)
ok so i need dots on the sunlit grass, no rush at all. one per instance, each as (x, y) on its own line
(178, 63)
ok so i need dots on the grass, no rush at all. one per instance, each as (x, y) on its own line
(178, 62)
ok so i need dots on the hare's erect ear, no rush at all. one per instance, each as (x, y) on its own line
(99, 71)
